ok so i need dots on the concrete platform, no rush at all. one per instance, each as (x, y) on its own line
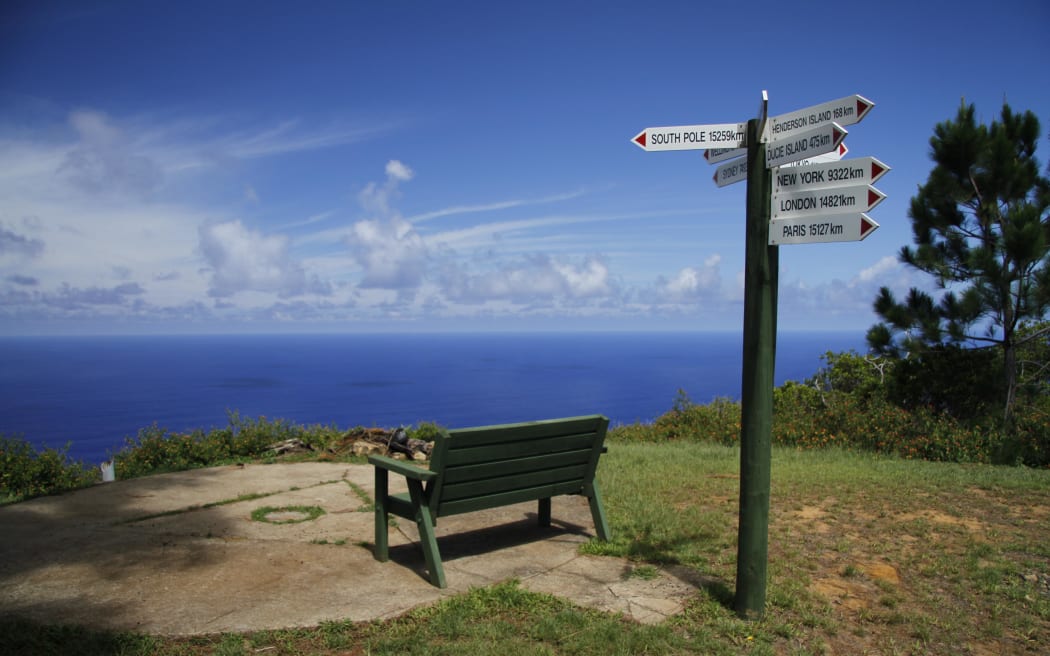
(180, 554)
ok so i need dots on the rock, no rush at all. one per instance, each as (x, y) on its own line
(419, 456)
(363, 448)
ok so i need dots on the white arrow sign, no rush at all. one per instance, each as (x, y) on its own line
(818, 141)
(826, 201)
(692, 137)
(821, 229)
(844, 111)
(731, 172)
(714, 155)
(863, 170)
(833, 156)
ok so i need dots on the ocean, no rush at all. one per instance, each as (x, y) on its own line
(94, 392)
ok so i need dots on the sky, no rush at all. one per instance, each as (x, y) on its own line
(236, 167)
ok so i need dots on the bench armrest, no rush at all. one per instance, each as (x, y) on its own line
(403, 468)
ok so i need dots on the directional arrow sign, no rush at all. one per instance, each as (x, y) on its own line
(713, 155)
(818, 141)
(821, 229)
(833, 156)
(844, 111)
(693, 137)
(826, 201)
(731, 172)
(863, 170)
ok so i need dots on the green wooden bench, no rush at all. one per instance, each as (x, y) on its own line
(492, 466)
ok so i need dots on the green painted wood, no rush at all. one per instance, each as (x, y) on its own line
(401, 505)
(382, 551)
(427, 538)
(761, 266)
(401, 467)
(480, 472)
(525, 480)
(482, 435)
(594, 499)
(521, 449)
(544, 512)
(508, 498)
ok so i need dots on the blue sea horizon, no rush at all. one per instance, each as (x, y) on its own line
(95, 392)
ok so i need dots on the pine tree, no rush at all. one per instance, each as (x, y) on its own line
(981, 229)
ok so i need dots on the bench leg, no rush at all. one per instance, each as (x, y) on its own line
(382, 550)
(545, 512)
(427, 539)
(598, 512)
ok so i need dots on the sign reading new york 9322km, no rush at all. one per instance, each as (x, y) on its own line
(692, 137)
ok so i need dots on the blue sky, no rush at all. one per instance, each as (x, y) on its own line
(351, 166)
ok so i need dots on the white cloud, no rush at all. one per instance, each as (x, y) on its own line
(492, 207)
(245, 260)
(390, 251)
(538, 278)
(105, 160)
(690, 284)
(395, 170)
(886, 265)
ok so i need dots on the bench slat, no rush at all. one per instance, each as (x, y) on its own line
(483, 435)
(458, 454)
(508, 498)
(474, 472)
(522, 481)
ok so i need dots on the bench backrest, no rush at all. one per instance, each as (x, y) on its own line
(494, 466)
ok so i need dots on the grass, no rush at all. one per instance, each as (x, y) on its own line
(868, 555)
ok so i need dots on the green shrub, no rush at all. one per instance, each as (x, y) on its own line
(425, 430)
(156, 450)
(25, 472)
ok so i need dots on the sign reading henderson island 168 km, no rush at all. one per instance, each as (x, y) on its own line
(844, 111)
(692, 137)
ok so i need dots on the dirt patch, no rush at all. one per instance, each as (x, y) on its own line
(938, 517)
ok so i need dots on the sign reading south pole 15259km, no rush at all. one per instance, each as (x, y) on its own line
(692, 137)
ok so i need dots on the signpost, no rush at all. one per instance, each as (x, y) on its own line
(862, 170)
(832, 200)
(821, 229)
(833, 156)
(715, 155)
(844, 111)
(823, 201)
(731, 172)
(819, 140)
(691, 137)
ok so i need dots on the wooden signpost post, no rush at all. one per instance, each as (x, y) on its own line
(798, 192)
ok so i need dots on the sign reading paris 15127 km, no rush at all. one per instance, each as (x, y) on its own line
(692, 137)
(820, 229)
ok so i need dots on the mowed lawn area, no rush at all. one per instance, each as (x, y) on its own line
(867, 555)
